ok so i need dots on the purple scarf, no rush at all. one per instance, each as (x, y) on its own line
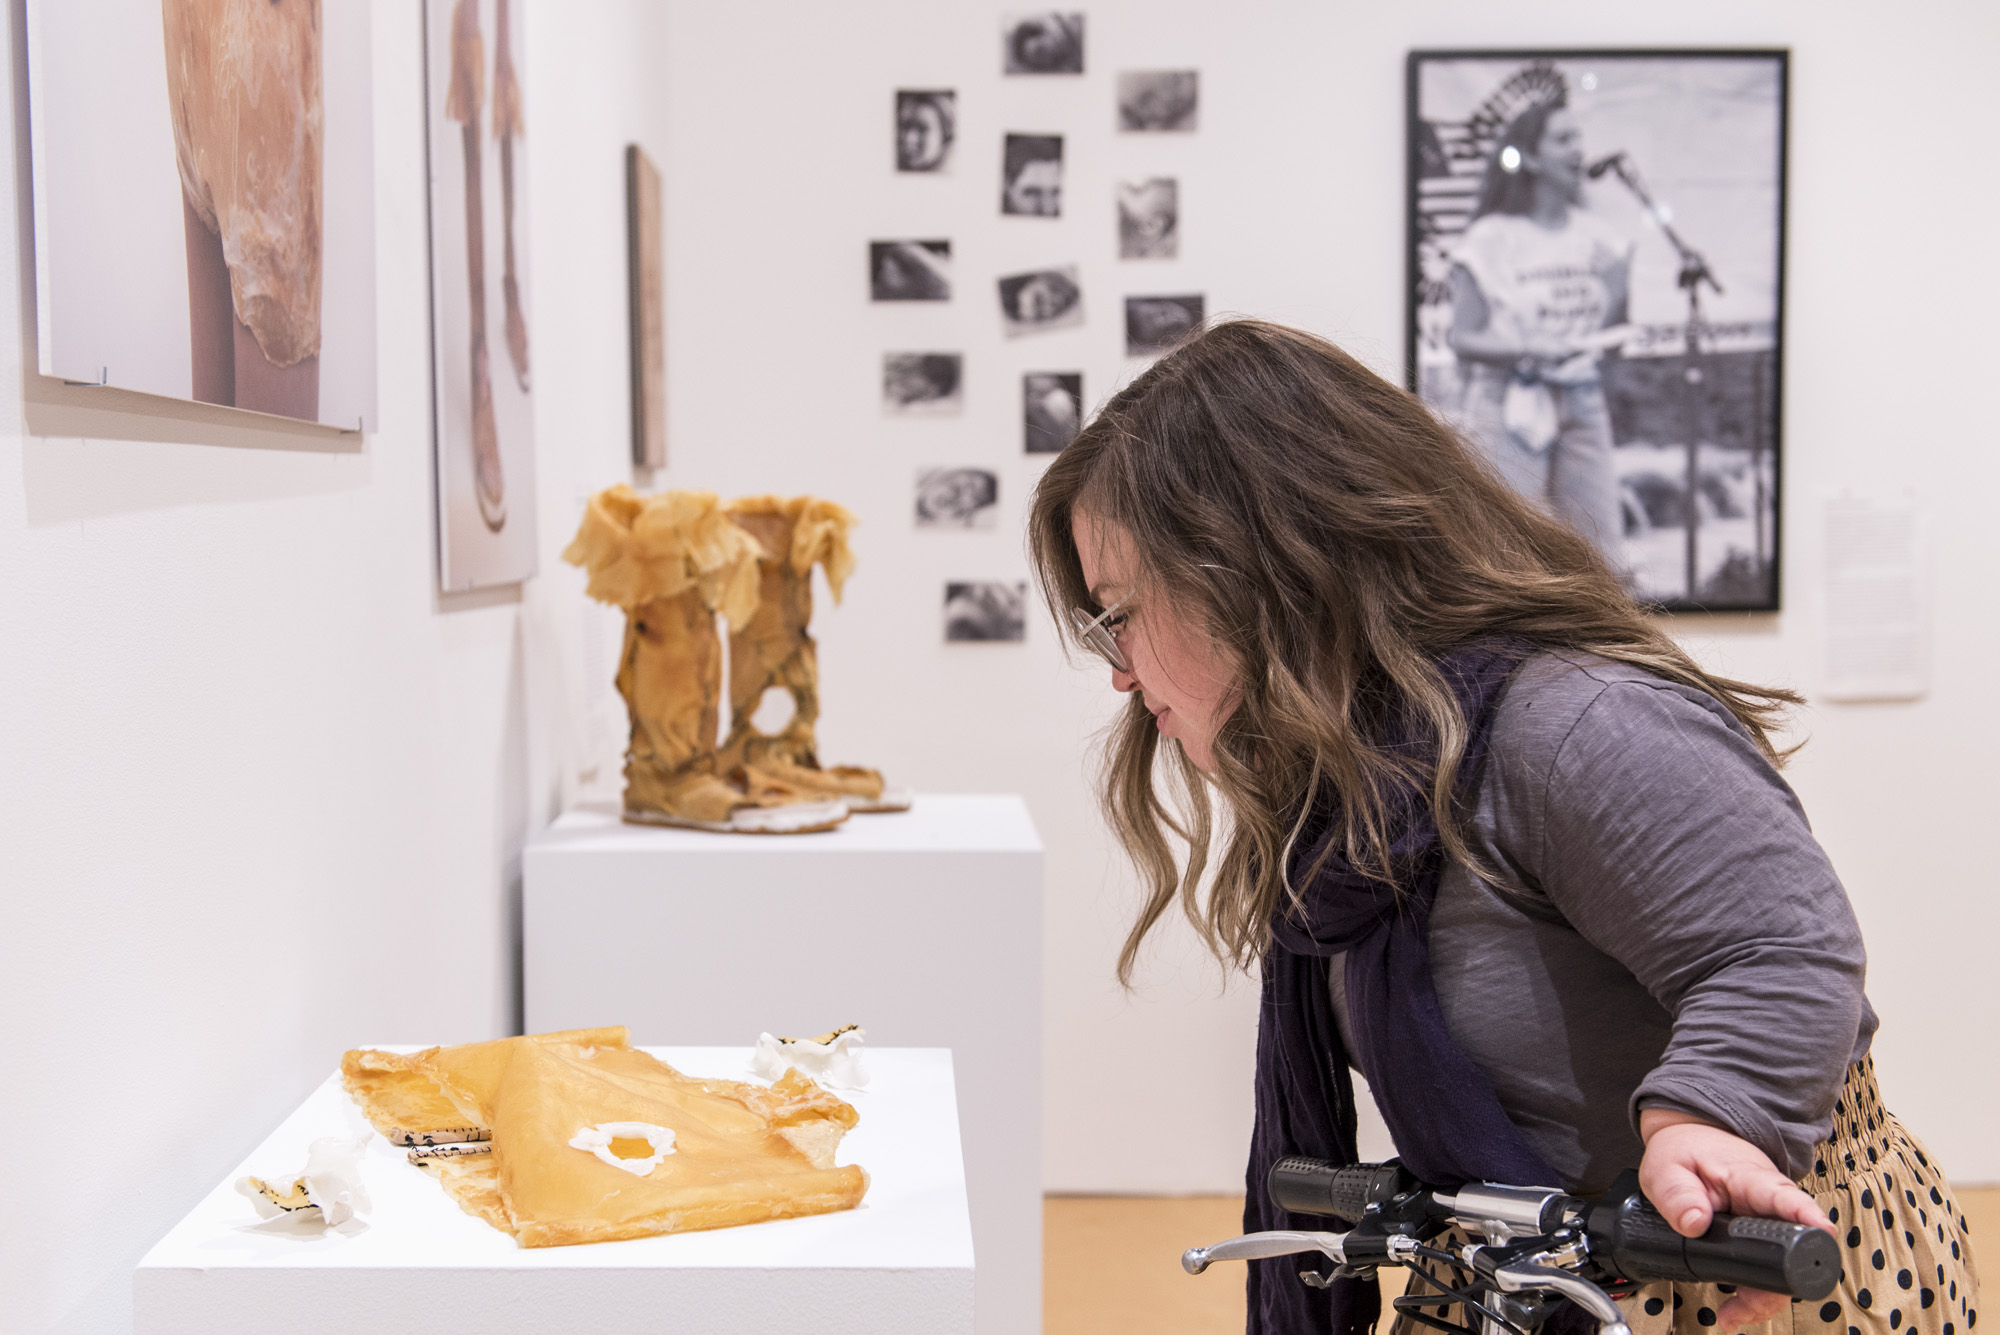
(1447, 1122)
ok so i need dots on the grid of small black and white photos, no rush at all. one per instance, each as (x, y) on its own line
(1049, 296)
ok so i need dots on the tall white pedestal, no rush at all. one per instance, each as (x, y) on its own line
(923, 926)
(901, 1262)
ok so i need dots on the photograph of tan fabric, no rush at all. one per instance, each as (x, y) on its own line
(221, 247)
(649, 310)
(477, 113)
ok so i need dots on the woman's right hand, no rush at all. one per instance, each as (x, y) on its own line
(1693, 1169)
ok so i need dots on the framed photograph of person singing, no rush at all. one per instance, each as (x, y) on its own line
(1596, 297)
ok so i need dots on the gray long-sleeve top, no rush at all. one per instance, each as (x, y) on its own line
(1666, 933)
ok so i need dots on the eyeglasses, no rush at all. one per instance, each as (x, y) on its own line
(1098, 635)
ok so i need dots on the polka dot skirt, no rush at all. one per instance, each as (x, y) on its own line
(1906, 1260)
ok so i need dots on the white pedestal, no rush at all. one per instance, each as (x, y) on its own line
(901, 1262)
(923, 926)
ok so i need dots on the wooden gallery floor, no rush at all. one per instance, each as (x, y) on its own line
(1111, 1264)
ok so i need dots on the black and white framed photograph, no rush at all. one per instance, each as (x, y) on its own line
(986, 613)
(926, 129)
(1051, 409)
(957, 497)
(1596, 267)
(923, 383)
(909, 270)
(1159, 100)
(1031, 167)
(1149, 219)
(1044, 43)
(1155, 324)
(1041, 299)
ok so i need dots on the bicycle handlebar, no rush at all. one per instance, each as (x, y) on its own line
(1535, 1238)
(1627, 1236)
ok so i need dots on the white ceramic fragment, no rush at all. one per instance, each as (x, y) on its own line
(835, 1063)
(330, 1183)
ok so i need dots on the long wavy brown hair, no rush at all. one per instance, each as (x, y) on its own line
(1332, 539)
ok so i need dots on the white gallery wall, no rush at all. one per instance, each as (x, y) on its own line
(262, 792)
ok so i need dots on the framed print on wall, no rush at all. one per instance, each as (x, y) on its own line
(647, 274)
(1596, 297)
(204, 196)
(477, 113)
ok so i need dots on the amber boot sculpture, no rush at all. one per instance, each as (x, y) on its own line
(672, 561)
(771, 648)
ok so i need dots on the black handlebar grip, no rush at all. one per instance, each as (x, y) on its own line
(1629, 1236)
(1311, 1186)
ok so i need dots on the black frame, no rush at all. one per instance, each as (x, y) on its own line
(1413, 275)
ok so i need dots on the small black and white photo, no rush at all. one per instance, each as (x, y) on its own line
(923, 383)
(957, 497)
(1051, 409)
(1151, 101)
(1045, 43)
(985, 613)
(1149, 219)
(1155, 324)
(926, 129)
(1041, 299)
(1031, 168)
(909, 270)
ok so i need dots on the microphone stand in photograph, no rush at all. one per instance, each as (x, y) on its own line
(1694, 272)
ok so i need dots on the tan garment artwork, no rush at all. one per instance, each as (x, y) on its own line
(246, 103)
(463, 96)
(772, 650)
(507, 127)
(593, 1140)
(673, 561)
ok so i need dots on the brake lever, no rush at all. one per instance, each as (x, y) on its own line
(1282, 1242)
(1522, 1276)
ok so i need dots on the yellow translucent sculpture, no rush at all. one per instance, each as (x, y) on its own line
(673, 561)
(771, 649)
(740, 1152)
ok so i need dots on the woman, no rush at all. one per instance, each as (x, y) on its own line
(1491, 835)
(1535, 283)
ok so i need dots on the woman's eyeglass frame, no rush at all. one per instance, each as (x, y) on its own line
(1094, 635)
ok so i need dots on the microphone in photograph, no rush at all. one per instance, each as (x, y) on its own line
(1603, 165)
